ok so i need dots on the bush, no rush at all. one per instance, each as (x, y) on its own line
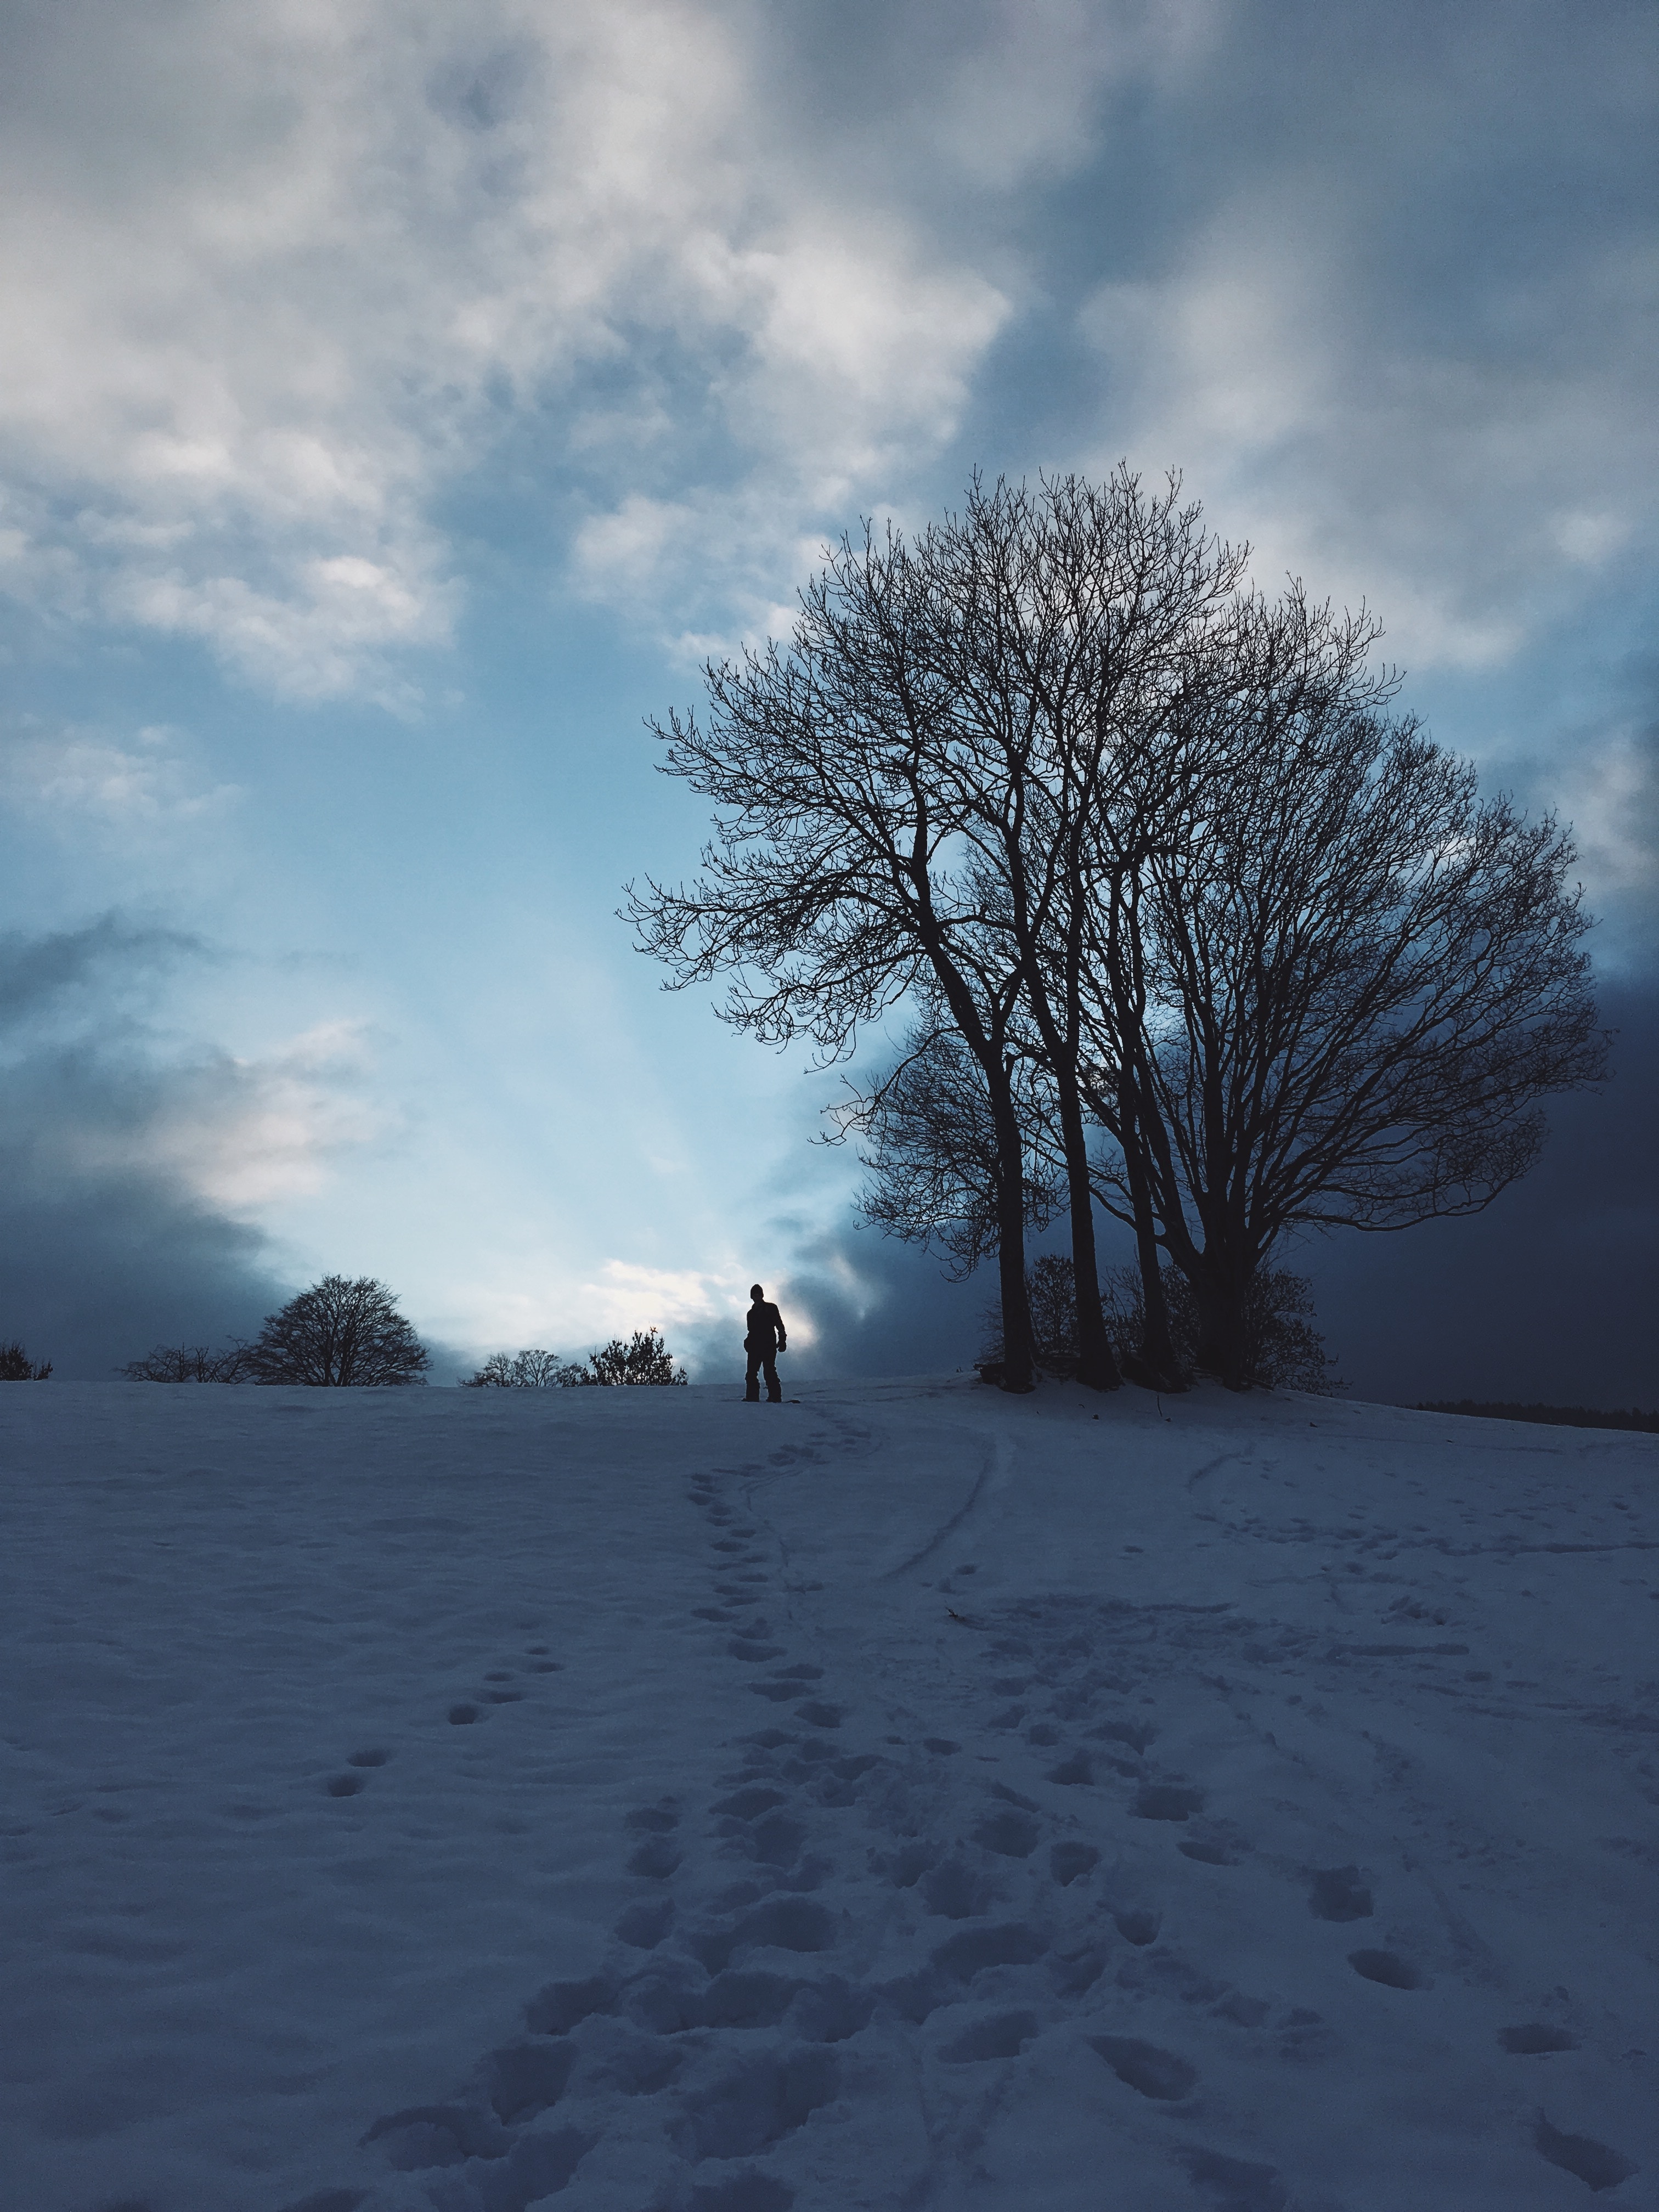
(1282, 1350)
(16, 1366)
(339, 1335)
(189, 1362)
(644, 1358)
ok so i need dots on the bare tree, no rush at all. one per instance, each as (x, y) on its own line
(338, 1335)
(533, 1369)
(847, 864)
(190, 1362)
(1069, 625)
(1336, 997)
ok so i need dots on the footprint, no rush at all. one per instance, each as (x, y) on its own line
(1388, 1968)
(1077, 1971)
(1011, 1835)
(1240, 2185)
(1072, 1771)
(652, 1820)
(751, 2191)
(526, 2078)
(500, 1675)
(564, 2005)
(741, 1648)
(655, 1859)
(747, 2000)
(547, 1666)
(830, 2011)
(1068, 1862)
(320, 2200)
(821, 1716)
(1139, 1927)
(437, 2134)
(640, 2069)
(1597, 2164)
(1143, 2066)
(1004, 2036)
(954, 1892)
(1167, 1801)
(642, 1926)
(942, 1746)
(752, 2109)
(503, 1697)
(781, 1923)
(1012, 1944)
(345, 1785)
(464, 1715)
(1532, 2039)
(748, 1804)
(1338, 1894)
(1208, 1854)
(372, 1758)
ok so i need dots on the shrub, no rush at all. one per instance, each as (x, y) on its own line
(16, 1366)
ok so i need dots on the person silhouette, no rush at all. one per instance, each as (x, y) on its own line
(765, 1339)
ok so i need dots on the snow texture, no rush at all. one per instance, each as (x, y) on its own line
(910, 1796)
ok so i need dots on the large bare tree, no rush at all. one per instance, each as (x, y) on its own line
(1338, 997)
(849, 864)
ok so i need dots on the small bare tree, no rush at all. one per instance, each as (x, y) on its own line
(533, 1369)
(339, 1335)
(931, 1146)
(190, 1362)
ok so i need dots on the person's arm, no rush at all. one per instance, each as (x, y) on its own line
(783, 1334)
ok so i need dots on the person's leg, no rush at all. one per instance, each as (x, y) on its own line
(773, 1388)
(751, 1380)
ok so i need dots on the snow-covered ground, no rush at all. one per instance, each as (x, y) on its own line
(450, 1800)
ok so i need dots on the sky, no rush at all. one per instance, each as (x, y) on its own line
(397, 405)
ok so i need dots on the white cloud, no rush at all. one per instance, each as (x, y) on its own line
(1384, 454)
(145, 782)
(276, 277)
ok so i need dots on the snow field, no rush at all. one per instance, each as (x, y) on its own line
(442, 1802)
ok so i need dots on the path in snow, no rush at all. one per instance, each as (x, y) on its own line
(1238, 1811)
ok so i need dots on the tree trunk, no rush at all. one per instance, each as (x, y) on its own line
(1096, 1365)
(1016, 1346)
(1221, 1347)
(1158, 1357)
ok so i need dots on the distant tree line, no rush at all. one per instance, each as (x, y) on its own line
(1192, 925)
(1567, 1417)
(644, 1358)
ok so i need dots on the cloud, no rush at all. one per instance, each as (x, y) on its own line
(131, 1172)
(143, 784)
(278, 278)
(1548, 1296)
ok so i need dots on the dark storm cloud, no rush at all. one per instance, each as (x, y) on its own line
(103, 1250)
(1551, 1294)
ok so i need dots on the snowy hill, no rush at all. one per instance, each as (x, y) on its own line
(451, 1802)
